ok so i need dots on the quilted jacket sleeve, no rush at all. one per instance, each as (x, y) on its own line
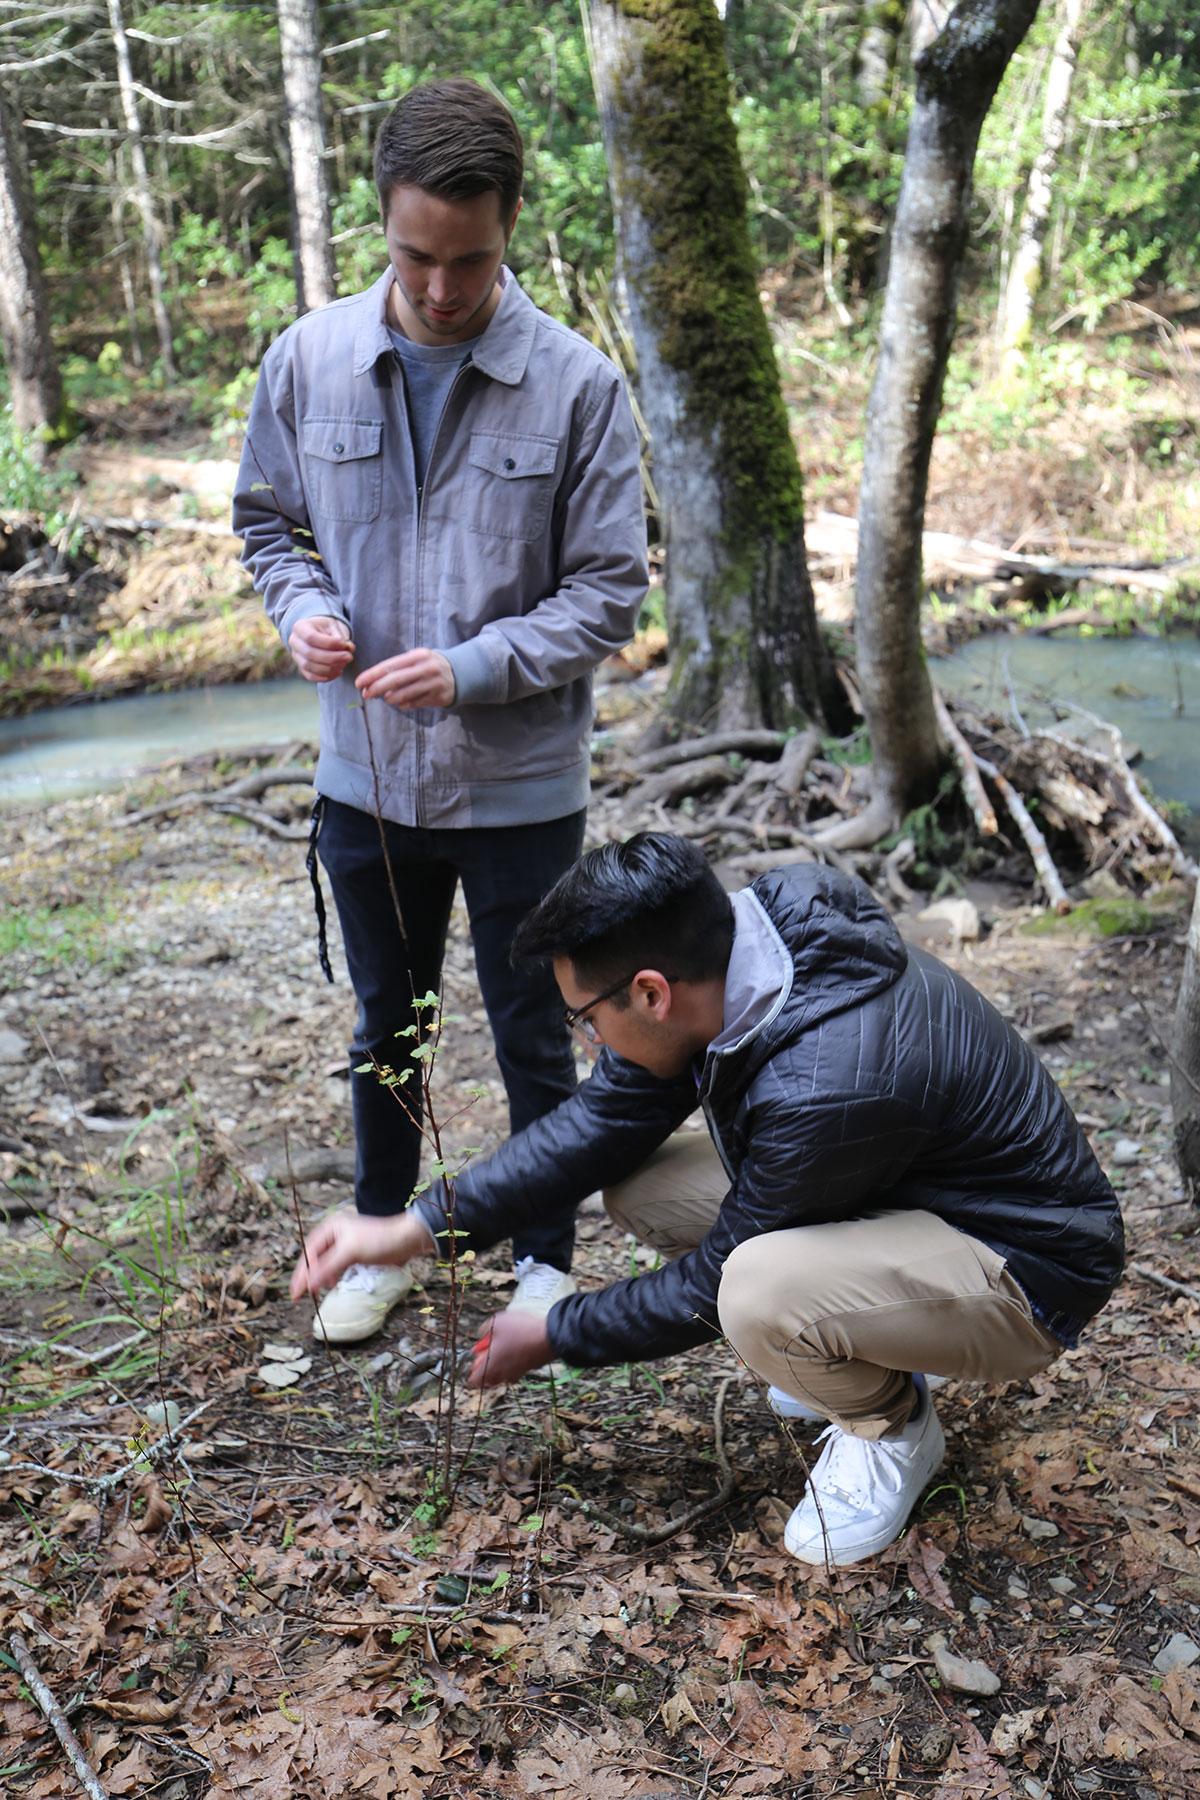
(606, 1130)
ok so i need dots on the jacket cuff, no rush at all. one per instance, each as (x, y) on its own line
(476, 681)
(433, 1217)
(310, 606)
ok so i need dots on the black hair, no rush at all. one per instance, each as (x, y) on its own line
(651, 902)
(454, 139)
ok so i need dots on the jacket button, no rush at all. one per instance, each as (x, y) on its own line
(509, 463)
(338, 448)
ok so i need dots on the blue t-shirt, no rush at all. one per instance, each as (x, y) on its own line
(429, 371)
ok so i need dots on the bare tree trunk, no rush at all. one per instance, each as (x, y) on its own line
(926, 19)
(1025, 274)
(1185, 1067)
(300, 54)
(957, 78)
(128, 292)
(746, 649)
(883, 21)
(143, 196)
(37, 400)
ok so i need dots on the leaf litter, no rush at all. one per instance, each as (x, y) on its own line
(257, 1598)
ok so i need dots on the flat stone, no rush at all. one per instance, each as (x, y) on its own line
(1179, 1652)
(1124, 1152)
(1061, 1584)
(1040, 1530)
(964, 1674)
(962, 916)
(979, 1606)
(13, 1047)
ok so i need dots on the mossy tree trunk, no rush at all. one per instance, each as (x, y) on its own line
(36, 389)
(745, 646)
(957, 78)
(1185, 1065)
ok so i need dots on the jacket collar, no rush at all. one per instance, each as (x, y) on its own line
(502, 351)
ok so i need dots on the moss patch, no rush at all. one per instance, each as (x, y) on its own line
(1106, 916)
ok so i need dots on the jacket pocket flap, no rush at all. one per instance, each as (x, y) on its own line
(513, 457)
(341, 440)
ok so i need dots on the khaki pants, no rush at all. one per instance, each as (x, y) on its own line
(838, 1315)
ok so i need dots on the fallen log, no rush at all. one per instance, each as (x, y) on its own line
(836, 535)
(719, 743)
(1036, 844)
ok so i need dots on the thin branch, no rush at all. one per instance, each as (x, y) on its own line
(89, 1780)
(658, 1534)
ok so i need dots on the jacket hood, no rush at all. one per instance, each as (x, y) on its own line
(843, 949)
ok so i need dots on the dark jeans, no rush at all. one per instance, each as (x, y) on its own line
(504, 872)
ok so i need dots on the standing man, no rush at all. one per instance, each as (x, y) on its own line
(890, 1182)
(440, 502)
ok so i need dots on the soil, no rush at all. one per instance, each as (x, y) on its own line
(277, 1601)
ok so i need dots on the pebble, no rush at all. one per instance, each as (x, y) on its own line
(1124, 1152)
(1017, 1592)
(1036, 1789)
(964, 1674)
(1061, 1584)
(1086, 1783)
(13, 1046)
(1179, 1652)
(979, 1606)
(1040, 1530)
(623, 1693)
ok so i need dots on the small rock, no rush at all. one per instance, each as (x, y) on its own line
(1124, 1152)
(1017, 1592)
(1179, 1652)
(879, 1686)
(1037, 1790)
(281, 1375)
(962, 916)
(964, 1674)
(1085, 1782)
(935, 1747)
(1109, 1612)
(623, 1693)
(1040, 1530)
(13, 1047)
(1061, 1584)
(979, 1606)
(163, 1412)
(384, 1360)
(286, 1353)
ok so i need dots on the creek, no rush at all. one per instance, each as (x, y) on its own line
(1148, 687)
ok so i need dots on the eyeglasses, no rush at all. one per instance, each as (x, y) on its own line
(576, 1016)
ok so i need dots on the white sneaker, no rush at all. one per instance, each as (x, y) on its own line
(539, 1285)
(860, 1492)
(360, 1302)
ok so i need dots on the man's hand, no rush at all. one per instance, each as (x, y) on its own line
(320, 648)
(511, 1345)
(350, 1237)
(418, 678)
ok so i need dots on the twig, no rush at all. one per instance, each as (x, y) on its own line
(658, 1534)
(88, 1778)
(317, 1319)
(1036, 844)
(104, 1484)
(1165, 1281)
(964, 756)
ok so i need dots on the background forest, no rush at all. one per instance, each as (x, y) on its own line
(821, 101)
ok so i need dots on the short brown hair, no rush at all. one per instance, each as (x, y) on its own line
(453, 139)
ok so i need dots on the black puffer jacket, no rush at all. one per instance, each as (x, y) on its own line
(881, 1080)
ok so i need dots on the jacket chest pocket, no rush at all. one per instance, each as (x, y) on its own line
(512, 484)
(343, 467)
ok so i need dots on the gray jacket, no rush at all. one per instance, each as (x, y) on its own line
(523, 560)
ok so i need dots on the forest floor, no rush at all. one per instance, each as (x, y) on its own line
(265, 1601)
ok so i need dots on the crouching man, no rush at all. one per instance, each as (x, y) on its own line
(890, 1181)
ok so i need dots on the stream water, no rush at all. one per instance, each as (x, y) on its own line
(1148, 687)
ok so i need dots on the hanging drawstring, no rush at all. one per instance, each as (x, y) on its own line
(310, 863)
